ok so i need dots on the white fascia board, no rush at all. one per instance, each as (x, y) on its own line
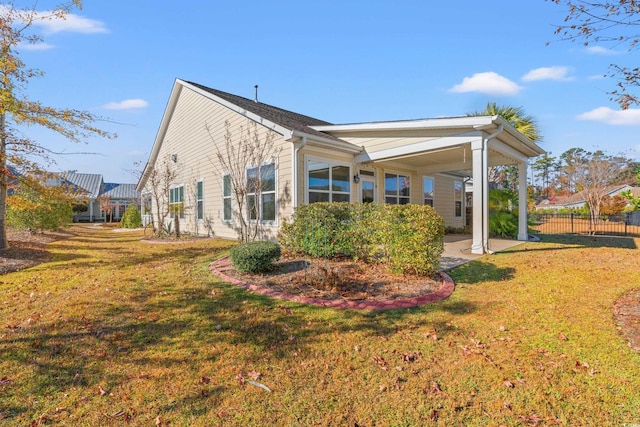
(533, 148)
(439, 123)
(419, 147)
(162, 130)
(328, 142)
(508, 151)
(286, 133)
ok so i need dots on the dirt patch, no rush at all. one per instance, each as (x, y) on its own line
(27, 249)
(340, 279)
(627, 314)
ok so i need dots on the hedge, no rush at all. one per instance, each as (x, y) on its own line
(407, 238)
(254, 257)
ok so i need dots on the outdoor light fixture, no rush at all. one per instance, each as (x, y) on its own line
(174, 157)
(356, 178)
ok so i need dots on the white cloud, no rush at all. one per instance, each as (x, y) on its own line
(35, 46)
(599, 50)
(628, 117)
(489, 83)
(71, 23)
(127, 104)
(597, 77)
(547, 73)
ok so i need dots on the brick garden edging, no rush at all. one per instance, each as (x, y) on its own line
(218, 268)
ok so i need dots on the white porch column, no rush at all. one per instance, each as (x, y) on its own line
(478, 169)
(522, 201)
(90, 210)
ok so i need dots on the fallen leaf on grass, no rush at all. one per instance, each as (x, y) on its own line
(381, 362)
(4, 380)
(257, 384)
(102, 391)
(562, 336)
(254, 375)
(117, 414)
(205, 380)
(433, 416)
(435, 388)
(508, 384)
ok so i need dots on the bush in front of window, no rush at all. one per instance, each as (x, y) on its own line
(322, 229)
(407, 238)
(254, 257)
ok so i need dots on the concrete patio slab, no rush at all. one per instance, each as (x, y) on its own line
(457, 249)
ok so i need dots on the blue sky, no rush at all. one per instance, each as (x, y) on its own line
(340, 61)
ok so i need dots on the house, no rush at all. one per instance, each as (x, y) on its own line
(577, 201)
(425, 161)
(93, 187)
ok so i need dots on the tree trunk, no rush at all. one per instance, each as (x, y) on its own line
(4, 244)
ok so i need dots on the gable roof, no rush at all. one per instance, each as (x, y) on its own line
(91, 183)
(120, 191)
(285, 118)
(290, 125)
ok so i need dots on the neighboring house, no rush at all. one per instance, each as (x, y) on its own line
(422, 161)
(578, 201)
(93, 187)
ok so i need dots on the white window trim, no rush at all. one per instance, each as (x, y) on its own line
(175, 187)
(433, 196)
(200, 180)
(268, 223)
(395, 172)
(230, 197)
(331, 162)
(461, 199)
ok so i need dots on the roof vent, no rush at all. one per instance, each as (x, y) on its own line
(256, 97)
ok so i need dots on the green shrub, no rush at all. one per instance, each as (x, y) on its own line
(254, 257)
(408, 238)
(131, 218)
(322, 230)
(35, 207)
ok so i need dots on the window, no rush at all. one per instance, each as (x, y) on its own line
(226, 198)
(261, 202)
(328, 182)
(457, 198)
(396, 188)
(199, 200)
(427, 190)
(176, 199)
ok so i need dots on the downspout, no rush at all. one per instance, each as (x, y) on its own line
(296, 152)
(485, 189)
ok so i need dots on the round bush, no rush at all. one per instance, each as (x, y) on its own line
(254, 257)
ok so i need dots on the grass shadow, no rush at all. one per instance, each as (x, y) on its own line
(481, 271)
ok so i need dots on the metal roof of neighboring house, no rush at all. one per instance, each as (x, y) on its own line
(579, 198)
(284, 118)
(89, 182)
(120, 191)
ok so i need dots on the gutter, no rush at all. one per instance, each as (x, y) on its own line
(296, 154)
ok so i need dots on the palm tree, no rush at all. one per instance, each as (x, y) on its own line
(507, 176)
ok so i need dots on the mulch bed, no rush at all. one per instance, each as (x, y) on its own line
(627, 314)
(27, 249)
(339, 279)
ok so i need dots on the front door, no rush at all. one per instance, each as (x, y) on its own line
(367, 189)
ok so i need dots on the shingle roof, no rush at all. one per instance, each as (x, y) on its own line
(89, 182)
(285, 118)
(120, 191)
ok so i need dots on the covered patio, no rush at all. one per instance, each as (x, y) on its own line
(461, 146)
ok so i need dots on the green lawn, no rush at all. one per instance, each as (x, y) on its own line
(113, 331)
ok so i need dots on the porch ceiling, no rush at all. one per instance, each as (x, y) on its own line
(457, 158)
